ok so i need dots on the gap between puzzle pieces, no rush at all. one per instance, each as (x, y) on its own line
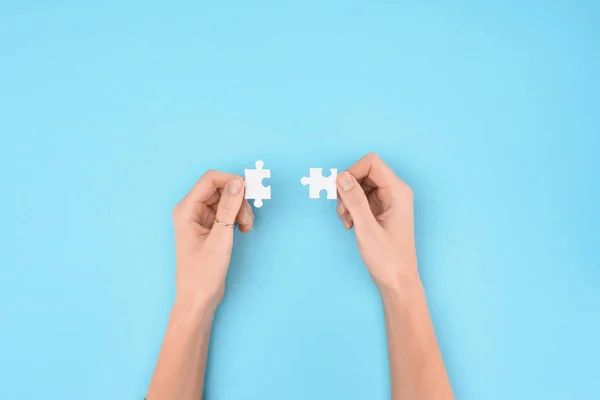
(255, 190)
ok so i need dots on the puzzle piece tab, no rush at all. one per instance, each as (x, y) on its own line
(318, 182)
(254, 187)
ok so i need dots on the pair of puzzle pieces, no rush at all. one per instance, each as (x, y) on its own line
(317, 182)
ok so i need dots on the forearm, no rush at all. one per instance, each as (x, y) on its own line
(179, 372)
(416, 367)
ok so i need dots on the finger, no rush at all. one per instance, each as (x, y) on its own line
(197, 205)
(245, 217)
(206, 190)
(228, 208)
(373, 172)
(344, 215)
(244, 229)
(355, 200)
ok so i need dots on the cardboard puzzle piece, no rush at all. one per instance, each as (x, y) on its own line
(318, 182)
(254, 186)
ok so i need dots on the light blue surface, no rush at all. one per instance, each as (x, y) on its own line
(110, 112)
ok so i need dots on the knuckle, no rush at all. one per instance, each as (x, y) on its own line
(209, 173)
(405, 192)
(176, 211)
(372, 156)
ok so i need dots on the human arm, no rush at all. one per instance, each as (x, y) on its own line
(379, 206)
(203, 251)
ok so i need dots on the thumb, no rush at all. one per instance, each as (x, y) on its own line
(228, 209)
(355, 200)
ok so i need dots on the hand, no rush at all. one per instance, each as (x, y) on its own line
(380, 207)
(203, 247)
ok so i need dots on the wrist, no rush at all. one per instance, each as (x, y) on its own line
(403, 290)
(194, 306)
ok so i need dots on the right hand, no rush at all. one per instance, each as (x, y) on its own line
(380, 207)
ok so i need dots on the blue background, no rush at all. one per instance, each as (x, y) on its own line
(109, 112)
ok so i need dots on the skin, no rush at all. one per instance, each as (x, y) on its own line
(379, 206)
(373, 201)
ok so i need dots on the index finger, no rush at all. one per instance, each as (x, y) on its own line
(209, 184)
(373, 172)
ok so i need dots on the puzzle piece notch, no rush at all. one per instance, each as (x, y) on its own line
(318, 182)
(254, 186)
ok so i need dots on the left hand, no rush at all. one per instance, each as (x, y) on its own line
(203, 247)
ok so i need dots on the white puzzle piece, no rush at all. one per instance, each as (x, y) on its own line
(318, 182)
(254, 187)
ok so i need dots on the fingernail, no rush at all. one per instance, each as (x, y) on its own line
(346, 181)
(234, 186)
(345, 222)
